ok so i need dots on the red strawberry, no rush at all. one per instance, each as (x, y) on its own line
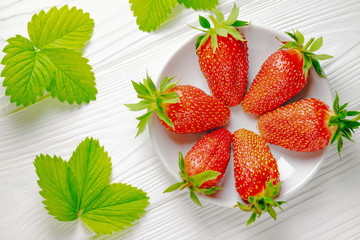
(308, 125)
(283, 75)
(223, 57)
(181, 109)
(256, 174)
(205, 164)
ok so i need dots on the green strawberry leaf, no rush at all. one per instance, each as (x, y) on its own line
(116, 208)
(58, 187)
(81, 188)
(51, 61)
(91, 158)
(150, 14)
(27, 72)
(74, 81)
(200, 4)
(60, 28)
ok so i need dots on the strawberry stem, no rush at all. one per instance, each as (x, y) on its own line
(185, 185)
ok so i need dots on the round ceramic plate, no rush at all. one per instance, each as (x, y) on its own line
(295, 168)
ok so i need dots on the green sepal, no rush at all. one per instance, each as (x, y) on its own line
(316, 64)
(310, 58)
(263, 203)
(200, 178)
(209, 191)
(152, 100)
(143, 121)
(344, 128)
(194, 183)
(199, 40)
(300, 37)
(221, 27)
(195, 198)
(353, 113)
(239, 23)
(181, 164)
(174, 187)
(204, 22)
(243, 207)
(142, 105)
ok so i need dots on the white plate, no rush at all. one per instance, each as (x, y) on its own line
(295, 168)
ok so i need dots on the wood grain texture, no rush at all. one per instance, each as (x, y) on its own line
(327, 207)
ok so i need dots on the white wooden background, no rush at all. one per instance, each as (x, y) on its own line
(328, 207)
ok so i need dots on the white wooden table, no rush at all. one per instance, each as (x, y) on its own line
(327, 207)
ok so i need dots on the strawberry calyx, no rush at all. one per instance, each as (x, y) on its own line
(193, 183)
(263, 203)
(221, 27)
(153, 100)
(307, 50)
(343, 127)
